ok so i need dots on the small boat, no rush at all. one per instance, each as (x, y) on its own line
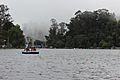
(31, 50)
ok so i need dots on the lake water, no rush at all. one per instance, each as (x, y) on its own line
(60, 64)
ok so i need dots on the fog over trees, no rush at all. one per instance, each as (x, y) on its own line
(35, 31)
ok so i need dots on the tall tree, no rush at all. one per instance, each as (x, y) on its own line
(5, 23)
(16, 37)
(88, 29)
(51, 39)
(56, 37)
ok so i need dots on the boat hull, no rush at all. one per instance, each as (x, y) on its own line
(30, 52)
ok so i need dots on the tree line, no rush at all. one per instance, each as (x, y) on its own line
(88, 29)
(11, 35)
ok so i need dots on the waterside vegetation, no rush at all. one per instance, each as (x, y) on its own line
(88, 29)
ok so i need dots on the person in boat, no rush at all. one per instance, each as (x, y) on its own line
(26, 48)
(33, 49)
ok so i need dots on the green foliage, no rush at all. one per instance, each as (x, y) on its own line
(97, 29)
(59, 44)
(56, 37)
(10, 35)
(5, 23)
(103, 44)
(16, 37)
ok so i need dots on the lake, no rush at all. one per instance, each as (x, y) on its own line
(60, 64)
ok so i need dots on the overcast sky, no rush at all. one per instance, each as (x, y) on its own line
(41, 11)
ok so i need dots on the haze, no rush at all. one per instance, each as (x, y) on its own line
(40, 12)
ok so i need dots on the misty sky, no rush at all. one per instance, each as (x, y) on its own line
(41, 11)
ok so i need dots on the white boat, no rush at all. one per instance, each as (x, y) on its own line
(31, 50)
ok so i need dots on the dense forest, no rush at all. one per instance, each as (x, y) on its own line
(88, 29)
(11, 36)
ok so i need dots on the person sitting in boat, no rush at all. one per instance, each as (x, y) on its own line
(33, 49)
(26, 49)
